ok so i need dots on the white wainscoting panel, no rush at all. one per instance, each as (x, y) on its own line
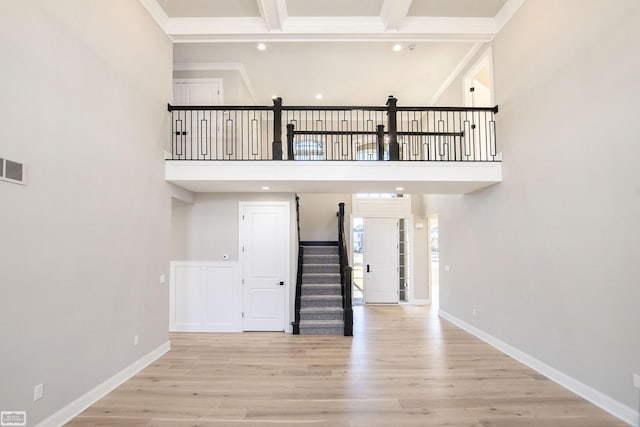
(205, 296)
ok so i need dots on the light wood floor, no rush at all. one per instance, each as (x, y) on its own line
(403, 367)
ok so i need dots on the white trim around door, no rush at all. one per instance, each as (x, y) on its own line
(264, 254)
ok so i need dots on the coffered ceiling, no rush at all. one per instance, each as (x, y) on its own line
(343, 49)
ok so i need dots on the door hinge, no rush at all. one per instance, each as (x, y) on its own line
(243, 314)
(243, 281)
(243, 249)
(243, 217)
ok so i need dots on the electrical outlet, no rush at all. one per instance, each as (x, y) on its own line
(447, 268)
(163, 278)
(474, 312)
(38, 392)
(225, 256)
(636, 381)
(136, 340)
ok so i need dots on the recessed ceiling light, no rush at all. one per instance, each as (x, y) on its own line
(262, 46)
(399, 188)
(397, 47)
(319, 96)
(265, 188)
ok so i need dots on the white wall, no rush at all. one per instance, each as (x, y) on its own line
(210, 228)
(549, 257)
(234, 89)
(85, 87)
(318, 220)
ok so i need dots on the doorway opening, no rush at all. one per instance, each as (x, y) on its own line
(478, 83)
(380, 253)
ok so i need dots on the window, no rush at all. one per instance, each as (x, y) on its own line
(308, 149)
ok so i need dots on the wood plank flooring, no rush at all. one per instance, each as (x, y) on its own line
(404, 367)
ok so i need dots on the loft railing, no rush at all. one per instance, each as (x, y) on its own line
(345, 275)
(391, 132)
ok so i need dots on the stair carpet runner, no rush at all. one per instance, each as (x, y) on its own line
(321, 311)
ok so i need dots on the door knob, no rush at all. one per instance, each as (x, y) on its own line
(281, 283)
(368, 268)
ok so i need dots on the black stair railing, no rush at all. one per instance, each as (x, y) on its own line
(391, 132)
(345, 275)
(296, 322)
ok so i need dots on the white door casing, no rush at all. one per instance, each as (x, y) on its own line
(264, 259)
(197, 92)
(381, 260)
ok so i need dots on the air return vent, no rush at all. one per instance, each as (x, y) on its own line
(12, 171)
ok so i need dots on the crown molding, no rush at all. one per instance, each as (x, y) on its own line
(219, 66)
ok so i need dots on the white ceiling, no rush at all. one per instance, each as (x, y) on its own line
(340, 48)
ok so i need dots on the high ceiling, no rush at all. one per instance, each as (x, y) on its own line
(342, 49)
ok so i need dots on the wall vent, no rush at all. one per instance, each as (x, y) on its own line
(12, 171)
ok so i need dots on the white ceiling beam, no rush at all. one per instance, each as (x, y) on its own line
(506, 12)
(157, 13)
(274, 13)
(333, 25)
(329, 28)
(218, 25)
(447, 25)
(394, 12)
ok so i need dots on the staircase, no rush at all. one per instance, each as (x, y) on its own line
(321, 311)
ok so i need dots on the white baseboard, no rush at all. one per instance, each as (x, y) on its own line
(615, 408)
(420, 302)
(65, 414)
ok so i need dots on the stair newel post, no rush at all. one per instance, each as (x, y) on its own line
(380, 141)
(277, 129)
(290, 131)
(348, 303)
(392, 120)
(345, 274)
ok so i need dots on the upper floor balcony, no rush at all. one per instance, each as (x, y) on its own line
(437, 150)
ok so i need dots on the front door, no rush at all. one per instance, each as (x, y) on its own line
(380, 263)
(264, 254)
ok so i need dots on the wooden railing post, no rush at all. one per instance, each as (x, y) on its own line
(348, 303)
(345, 274)
(392, 120)
(380, 138)
(290, 130)
(277, 129)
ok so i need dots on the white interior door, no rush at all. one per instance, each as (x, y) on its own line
(381, 260)
(264, 254)
(197, 92)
